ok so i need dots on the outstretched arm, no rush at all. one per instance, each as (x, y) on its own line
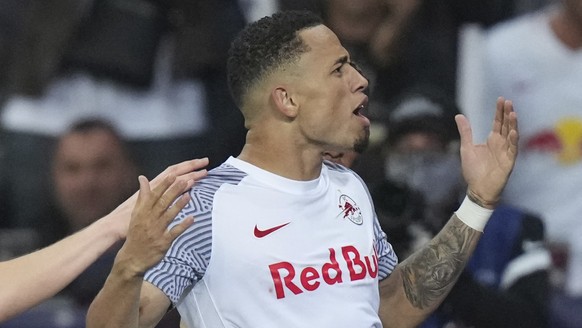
(420, 283)
(30, 279)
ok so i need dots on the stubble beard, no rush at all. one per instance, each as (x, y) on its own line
(361, 144)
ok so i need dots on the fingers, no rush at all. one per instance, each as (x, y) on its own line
(504, 121)
(184, 167)
(178, 229)
(144, 193)
(144, 189)
(166, 195)
(186, 171)
(499, 115)
(158, 191)
(192, 177)
(513, 135)
(507, 122)
(173, 210)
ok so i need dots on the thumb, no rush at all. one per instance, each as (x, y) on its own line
(464, 130)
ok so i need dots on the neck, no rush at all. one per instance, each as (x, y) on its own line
(278, 155)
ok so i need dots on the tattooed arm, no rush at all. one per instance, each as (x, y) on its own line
(427, 276)
(420, 283)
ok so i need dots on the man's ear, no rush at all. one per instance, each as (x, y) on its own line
(284, 102)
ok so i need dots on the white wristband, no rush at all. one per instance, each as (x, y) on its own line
(473, 215)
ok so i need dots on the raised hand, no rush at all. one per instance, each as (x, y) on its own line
(185, 171)
(148, 237)
(486, 167)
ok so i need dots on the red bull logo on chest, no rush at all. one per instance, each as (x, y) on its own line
(287, 277)
(350, 210)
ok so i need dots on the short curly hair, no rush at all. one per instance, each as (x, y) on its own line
(264, 46)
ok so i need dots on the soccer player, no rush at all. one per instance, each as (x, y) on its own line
(284, 239)
(28, 280)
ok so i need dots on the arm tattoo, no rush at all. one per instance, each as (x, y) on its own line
(430, 273)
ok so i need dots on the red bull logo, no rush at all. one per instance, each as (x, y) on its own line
(350, 210)
(287, 277)
(565, 140)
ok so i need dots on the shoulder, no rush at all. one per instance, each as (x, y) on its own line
(216, 178)
(332, 166)
(225, 173)
(339, 171)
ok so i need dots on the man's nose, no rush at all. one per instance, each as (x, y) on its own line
(360, 81)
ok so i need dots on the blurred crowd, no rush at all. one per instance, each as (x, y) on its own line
(94, 93)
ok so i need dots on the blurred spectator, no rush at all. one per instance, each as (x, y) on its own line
(401, 44)
(407, 44)
(536, 61)
(154, 68)
(422, 149)
(92, 172)
(506, 282)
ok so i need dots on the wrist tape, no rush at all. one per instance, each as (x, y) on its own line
(473, 215)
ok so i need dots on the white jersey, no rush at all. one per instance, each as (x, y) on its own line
(266, 251)
(525, 62)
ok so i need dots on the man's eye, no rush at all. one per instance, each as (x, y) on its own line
(338, 69)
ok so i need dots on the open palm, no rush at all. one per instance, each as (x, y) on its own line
(486, 167)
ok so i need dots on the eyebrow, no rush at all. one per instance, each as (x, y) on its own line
(342, 60)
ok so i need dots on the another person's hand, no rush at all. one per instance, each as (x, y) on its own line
(486, 167)
(191, 170)
(148, 237)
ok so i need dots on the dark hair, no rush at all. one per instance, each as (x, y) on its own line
(89, 124)
(265, 45)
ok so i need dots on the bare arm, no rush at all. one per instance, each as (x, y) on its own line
(427, 276)
(125, 300)
(28, 280)
(420, 283)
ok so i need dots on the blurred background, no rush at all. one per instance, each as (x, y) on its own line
(93, 93)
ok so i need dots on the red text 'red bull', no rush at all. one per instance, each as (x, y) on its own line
(286, 276)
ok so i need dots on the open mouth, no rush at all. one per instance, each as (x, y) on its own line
(361, 107)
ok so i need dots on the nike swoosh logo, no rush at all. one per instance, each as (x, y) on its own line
(262, 233)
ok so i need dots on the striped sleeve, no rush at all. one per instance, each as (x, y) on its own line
(387, 259)
(187, 259)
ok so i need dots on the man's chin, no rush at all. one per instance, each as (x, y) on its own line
(362, 144)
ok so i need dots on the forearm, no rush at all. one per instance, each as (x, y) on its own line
(426, 277)
(30, 279)
(118, 302)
